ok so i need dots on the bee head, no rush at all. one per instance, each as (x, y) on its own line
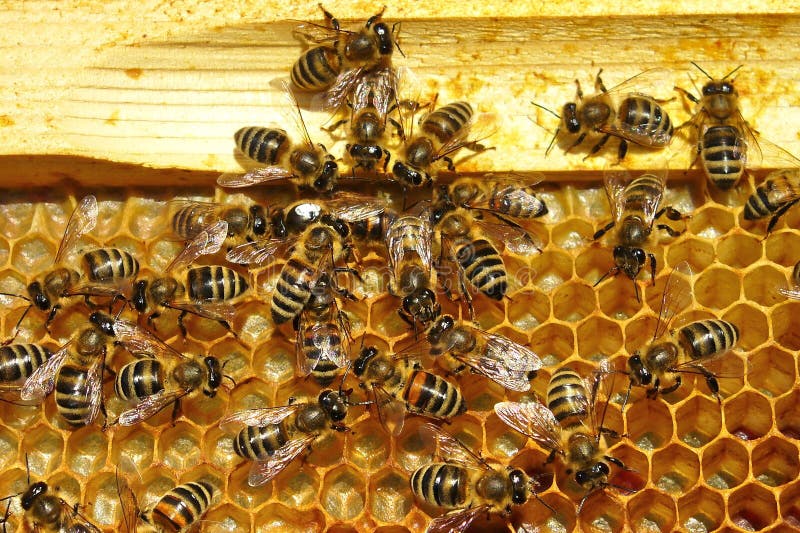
(333, 404)
(719, 87)
(629, 259)
(258, 220)
(366, 355)
(594, 476)
(439, 328)
(639, 375)
(33, 492)
(407, 175)
(337, 224)
(519, 486)
(104, 322)
(421, 305)
(384, 38)
(214, 371)
(38, 296)
(326, 180)
(569, 115)
(139, 296)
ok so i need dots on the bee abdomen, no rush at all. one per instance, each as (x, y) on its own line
(706, 338)
(567, 397)
(215, 283)
(447, 121)
(71, 394)
(433, 395)
(183, 505)
(722, 152)
(484, 267)
(324, 337)
(640, 190)
(516, 202)
(440, 484)
(259, 442)
(642, 116)
(316, 69)
(779, 188)
(265, 145)
(19, 361)
(109, 264)
(292, 291)
(139, 379)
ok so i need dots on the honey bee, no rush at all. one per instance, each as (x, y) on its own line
(636, 118)
(682, 351)
(45, 511)
(108, 271)
(76, 373)
(501, 195)
(635, 206)
(161, 376)
(723, 135)
(466, 484)
(343, 58)
(442, 132)
(497, 357)
(568, 427)
(18, 362)
(272, 437)
(794, 292)
(323, 334)
(773, 197)
(244, 223)
(308, 165)
(328, 239)
(399, 385)
(204, 291)
(408, 240)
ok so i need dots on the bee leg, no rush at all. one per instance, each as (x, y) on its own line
(224, 324)
(398, 128)
(336, 125)
(51, 316)
(711, 381)
(670, 231)
(602, 231)
(652, 268)
(673, 387)
(386, 157)
(176, 411)
(330, 19)
(597, 147)
(613, 271)
(450, 166)
(181, 326)
(622, 150)
(619, 463)
(688, 95)
(16, 328)
(598, 83)
(87, 299)
(578, 90)
(672, 213)
(778, 214)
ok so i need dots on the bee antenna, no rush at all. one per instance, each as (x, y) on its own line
(729, 74)
(706, 73)
(543, 108)
(27, 469)
(15, 296)
(536, 495)
(396, 31)
(627, 397)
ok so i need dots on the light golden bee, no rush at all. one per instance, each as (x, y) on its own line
(245, 223)
(465, 484)
(774, 196)
(630, 117)
(659, 365)
(568, 427)
(499, 194)
(399, 385)
(635, 206)
(18, 362)
(272, 437)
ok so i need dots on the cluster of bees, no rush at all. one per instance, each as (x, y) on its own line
(447, 245)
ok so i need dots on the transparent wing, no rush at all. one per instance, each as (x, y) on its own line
(478, 129)
(677, 296)
(263, 416)
(376, 89)
(256, 176)
(514, 238)
(615, 181)
(533, 420)
(128, 503)
(205, 212)
(793, 294)
(208, 241)
(142, 343)
(504, 361)
(82, 220)
(354, 207)
(781, 186)
(263, 471)
(516, 189)
(337, 94)
(41, 382)
(772, 155)
(219, 311)
(148, 407)
(422, 244)
(650, 202)
(457, 521)
(391, 411)
(94, 390)
(257, 252)
(318, 33)
(652, 83)
(450, 449)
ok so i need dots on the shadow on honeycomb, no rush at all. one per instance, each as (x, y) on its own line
(707, 467)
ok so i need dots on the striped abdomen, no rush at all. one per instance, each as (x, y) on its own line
(723, 153)
(779, 188)
(483, 267)
(643, 121)
(567, 397)
(260, 442)
(440, 484)
(215, 283)
(429, 394)
(72, 394)
(640, 191)
(292, 290)
(515, 201)
(139, 379)
(316, 69)
(321, 341)
(447, 121)
(110, 264)
(182, 506)
(372, 229)
(265, 145)
(707, 338)
(19, 361)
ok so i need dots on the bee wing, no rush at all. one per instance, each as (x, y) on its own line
(148, 407)
(256, 176)
(256, 252)
(377, 89)
(472, 133)
(456, 521)
(533, 420)
(504, 361)
(119, 287)
(141, 343)
(793, 294)
(422, 245)
(41, 382)
(615, 181)
(677, 295)
(516, 239)
(656, 81)
(208, 241)
(82, 220)
(769, 154)
(782, 186)
(353, 207)
(318, 33)
(263, 471)
(128, 503)
(219, 311)
(94, 390)
(651, 202)
(76, 521)
(391, 411)
(263, 416)
(450, 449)
(337, 94)
(207, 211)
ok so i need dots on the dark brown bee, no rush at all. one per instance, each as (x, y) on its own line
(342, 58)
(685, 350)
(272, 437)
(465, 484)
(205, 291)
(635, 206)
(567, 427)
(400, 385)
(774, 196)
(501, 195)
(723, 135)
(634, 117)
(245, 222)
